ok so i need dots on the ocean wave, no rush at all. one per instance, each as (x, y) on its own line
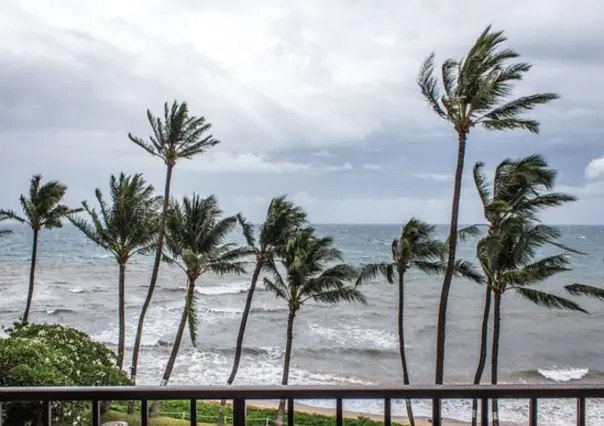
(236, 287)
(76, 290)
(556, 374)
(59, 311)
(559, 374)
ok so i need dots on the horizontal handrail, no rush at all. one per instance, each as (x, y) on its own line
(117, 393)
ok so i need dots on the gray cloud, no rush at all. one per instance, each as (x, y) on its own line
(314, 99)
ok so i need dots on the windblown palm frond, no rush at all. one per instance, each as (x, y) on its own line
(177, 135)
(42, 207)
(548, 300)
(306, 261)
(475, 89)
(585, 290)
(129, 224)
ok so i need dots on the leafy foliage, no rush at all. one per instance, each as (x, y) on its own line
(54, 355)
(585, 290)
(509, 261)
(195, 239)
(310, 272)
(129, 225)
(4, 232)
(417, 248)
(207, 412)
(177, 135)
(42, 207)
(474, 91)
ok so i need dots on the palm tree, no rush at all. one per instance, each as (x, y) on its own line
(520, 190)
(42, 208)
(475, 92)
(416, 248)
(195, 239)
(585, 290)
(125, 228)
(509, 261)
(309, 274)
(179, 135)
(282, 218)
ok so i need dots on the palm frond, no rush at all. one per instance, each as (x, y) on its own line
(276, 288)
(248, 230)
(371, 271)
(585, 290)
(192, 317)
(430, 268)
(428, 85)
(480, 180)
(348, 294)
(11, 215)
(548, 300)
(468, 271)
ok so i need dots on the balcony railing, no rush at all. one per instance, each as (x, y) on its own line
(240, 394)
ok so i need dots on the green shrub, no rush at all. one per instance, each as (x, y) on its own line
(54, 355)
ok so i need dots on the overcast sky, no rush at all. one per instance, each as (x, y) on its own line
(313, 98)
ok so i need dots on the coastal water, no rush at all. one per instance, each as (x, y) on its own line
(76, 285)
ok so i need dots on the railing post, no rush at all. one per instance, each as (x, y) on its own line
(193, 413)
(339, 413)
(533, 412)
(239, 412)
(387, 412)
(96, 413)
(581, 412)
(484, 412)
(290, 412)
(46, 413)
(436, 416)
(144, 413)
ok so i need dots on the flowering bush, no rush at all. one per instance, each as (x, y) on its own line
(54, 355)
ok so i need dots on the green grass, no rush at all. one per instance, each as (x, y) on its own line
(135, 419)
(208, 412)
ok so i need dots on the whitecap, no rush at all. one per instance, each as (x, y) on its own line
(559, 374)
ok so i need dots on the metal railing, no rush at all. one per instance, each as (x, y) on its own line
(240, 394)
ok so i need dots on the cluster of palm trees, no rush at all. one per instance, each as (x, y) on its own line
(299, 266)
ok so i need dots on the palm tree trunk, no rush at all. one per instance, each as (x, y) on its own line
(32, 273)
(401, 342)
(239, 345)
(444, 295)
(288, 355)
(177, 341)
(495, 354)
(482, 360)
(154, 275)
(122, 316)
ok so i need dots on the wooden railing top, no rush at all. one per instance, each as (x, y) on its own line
(516, 391)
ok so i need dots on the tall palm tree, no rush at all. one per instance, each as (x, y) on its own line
(125, 228)
(177, 136)
(475, 92)
(585, 290)
(415, 248)
(42, 208)
(519, 191)
(195, 239)
(282, 218)
(509, 260)
(309, 274)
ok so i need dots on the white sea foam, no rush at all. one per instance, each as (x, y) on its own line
(76, 290)
(561, 374)
(227, 288)
(356, 336)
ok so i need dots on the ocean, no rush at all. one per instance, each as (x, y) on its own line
(76, 284)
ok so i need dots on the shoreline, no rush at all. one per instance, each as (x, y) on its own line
(347, 414)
